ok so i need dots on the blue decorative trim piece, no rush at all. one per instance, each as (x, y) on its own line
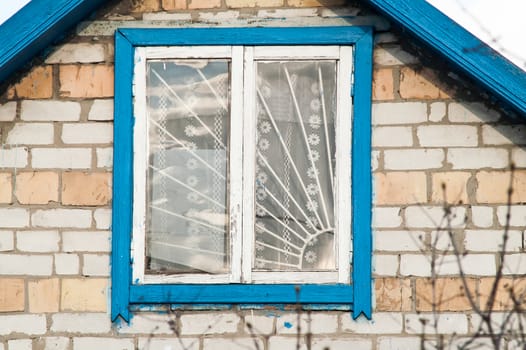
(357, 295)
(36, 26)
(465, 51)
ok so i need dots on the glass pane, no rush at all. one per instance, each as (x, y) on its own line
(186, 216)
(295, 151)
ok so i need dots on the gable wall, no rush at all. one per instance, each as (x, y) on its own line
(55, 197)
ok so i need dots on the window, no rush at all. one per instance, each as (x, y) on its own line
(235, 179)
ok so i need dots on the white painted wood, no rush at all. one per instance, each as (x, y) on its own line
(236, 163)
(140, 161)
(184, 52)
(198, 278)
(343, 164)
(296, 52)
(295, 277)
(249, 162)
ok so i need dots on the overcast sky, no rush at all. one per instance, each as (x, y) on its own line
(499, 23)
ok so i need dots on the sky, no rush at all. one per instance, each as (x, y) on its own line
(498, 23)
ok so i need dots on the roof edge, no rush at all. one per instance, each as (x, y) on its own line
(466, 52)
(37, 25)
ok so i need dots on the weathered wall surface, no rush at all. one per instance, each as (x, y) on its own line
(55, 198)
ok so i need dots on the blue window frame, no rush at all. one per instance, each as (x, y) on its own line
(355, 295)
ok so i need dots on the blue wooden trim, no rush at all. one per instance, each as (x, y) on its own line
(245, 36)
(36, 26)
(361, 177)
(242, 293)
(122, 178)
(460, 47)
(125, 293)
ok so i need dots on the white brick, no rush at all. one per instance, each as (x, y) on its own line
(399, 113)
(64, 158)
(37, 241)
(392, 136)
(316, 323)
(15, 157)
(518, 157)
(447, 323)
(104, 157)
(96, 265)
(23, 323)
(375, 158)
(340, 344)
(90, 343)
(386, 217)
(503, 134)
(413, 159)
(433, 217)
(86, 323)
(441, 241)
(393, 56)
(260, 325)
(66, 264)
(415, 265)
(385, 265)
(218, 16)
(92, 241)
(20, 344)
(77, 53)
(166, 16)
(31, 134)
(14, 217)
(479, 264)
(147, 324)
(76, 218)
(382, 323)
(8, 112)
(34, 265)
(102, 218)
(56, 343)
(87, 133)
(101, 110)
(156, 343)
(492, 240)
(517, 215)
(208, 323)
(398, 343)
(447, 135)
(477, 158)
(482, 216)
(471, 113)
(399, 241)
(515, 264)
(50, 111)
(232, 344)
(437, 111)
(278, 343)
(7, 241)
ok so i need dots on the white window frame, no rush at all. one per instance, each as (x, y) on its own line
(243, 132)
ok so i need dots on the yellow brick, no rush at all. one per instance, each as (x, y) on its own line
(37, 84)
(6, 188)
(383, 84)
(447, 294)
(145, 5)
(43, 295)
(11, 294)
(86, 188)
(203, 4)
(315, 3)
(493, 186)
(37, 187)
(393, 294)
(84, 295)
(420, 85)
(170, 5)
(510, 293)
(400, 188)
(452, 185)
(86, 81)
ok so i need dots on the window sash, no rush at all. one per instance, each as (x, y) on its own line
(242, 132)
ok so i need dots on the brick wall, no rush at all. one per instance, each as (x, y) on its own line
(55, 198)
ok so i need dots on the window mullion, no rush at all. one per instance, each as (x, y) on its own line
(249, 162)
(236, 162)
